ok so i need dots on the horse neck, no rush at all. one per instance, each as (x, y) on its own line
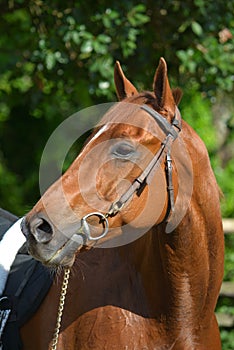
(182, 271)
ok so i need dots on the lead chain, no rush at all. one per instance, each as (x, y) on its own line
(60, 308)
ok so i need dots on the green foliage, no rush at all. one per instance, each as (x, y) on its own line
(229, 258)
(60, 58)
(197, 112)
(210, 61)
(227, 338)
(226, 305)
(224, 177)
(9, 181)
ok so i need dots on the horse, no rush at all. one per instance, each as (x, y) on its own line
(145, 252)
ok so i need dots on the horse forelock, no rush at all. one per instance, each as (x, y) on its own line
(148, 98)
(145, 97)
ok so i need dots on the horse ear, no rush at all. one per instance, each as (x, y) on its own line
(177, 94)
(124, 87)
(162, 88)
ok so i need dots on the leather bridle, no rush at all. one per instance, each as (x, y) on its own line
(138, 185)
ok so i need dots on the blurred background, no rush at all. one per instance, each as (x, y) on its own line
(57, 57)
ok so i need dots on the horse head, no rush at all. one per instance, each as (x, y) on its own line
(118, 184)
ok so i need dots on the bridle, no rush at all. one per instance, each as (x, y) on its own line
(139, 184)
(84, 234)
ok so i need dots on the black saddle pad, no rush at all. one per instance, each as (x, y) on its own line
(27, 285)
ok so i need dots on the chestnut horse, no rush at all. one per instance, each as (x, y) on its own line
(157, 289)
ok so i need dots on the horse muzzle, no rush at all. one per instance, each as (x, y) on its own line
(54, 247)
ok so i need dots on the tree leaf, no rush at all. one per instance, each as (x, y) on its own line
(196, 28)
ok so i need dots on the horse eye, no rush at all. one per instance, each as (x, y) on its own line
(123, 150)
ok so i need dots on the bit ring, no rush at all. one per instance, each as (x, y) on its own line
(86, 228)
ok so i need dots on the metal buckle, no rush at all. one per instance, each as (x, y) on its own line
(102, 219)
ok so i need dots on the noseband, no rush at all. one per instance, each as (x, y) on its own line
(146, 176)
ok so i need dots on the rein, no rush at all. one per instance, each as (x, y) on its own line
(138, 185)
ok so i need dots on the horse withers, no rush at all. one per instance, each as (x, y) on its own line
(141, 228)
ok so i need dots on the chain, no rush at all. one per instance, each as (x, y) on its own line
(60, 308)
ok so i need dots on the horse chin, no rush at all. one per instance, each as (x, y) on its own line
(64, 256)
(59, 260)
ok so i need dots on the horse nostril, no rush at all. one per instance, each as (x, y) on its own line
(45, 226)
(41, 229)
